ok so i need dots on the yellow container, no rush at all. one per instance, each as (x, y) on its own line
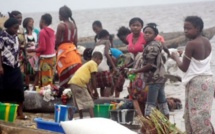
(8, 112)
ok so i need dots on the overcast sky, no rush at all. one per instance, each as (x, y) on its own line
(53, 5)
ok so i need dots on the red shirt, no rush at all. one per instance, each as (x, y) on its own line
(46, 45)
(138, 46)
(160, 38)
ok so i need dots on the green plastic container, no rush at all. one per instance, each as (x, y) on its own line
(8, 112)
(103, 110)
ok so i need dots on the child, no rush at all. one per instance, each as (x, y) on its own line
(46, 50)
(104, 76)
(198, 78)
(31, 38)
(97, 28)
(153, 70)
(161, 39)
(79, 82)
(118, 78)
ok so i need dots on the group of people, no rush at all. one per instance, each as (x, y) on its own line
(27, 51)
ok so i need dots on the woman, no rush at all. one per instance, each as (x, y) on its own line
(10, 74)
(46, 51)
(198, 78)
(153, 71)
(136, 40)
(21, 38)
(104, 76)
(31, 38)
(68, 57)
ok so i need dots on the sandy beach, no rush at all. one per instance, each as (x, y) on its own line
(170, 19)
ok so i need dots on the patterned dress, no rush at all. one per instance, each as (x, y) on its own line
(11, 82)
(198, 105)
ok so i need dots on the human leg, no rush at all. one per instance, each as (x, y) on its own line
(91, 112)
(47, 66)
(82, 99)
(80, 114)
(151, 99)
(162, 102)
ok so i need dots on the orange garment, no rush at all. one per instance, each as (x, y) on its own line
(67, 55)
(160, 38)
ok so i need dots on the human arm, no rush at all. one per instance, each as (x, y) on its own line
(76, 37)
(166, 50)
(184, 64)
(1, 48)
(144, 69)
(150, 55)
(124, 49)
(107, 49)
(93, 84)
(59, 35)
(1, 68)
(41, 45)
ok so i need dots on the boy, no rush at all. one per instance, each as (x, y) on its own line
(82, 98)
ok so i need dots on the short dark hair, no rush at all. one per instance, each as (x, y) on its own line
(26, 21)
(153, 26)
(196, 21)
(136, 19)
(14, 13)
(47, 18)
(103, 34)
(123, 31)
(97, 23)
(10, 22)
(97, 55)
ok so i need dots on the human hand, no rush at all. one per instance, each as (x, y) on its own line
(116, 70)
(174, 55)
(95, 95)
(132, 72)
(1, 70)
(180, 52)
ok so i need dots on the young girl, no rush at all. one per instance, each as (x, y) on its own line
(198, 78)
(46, 50)
(153, 70)
(10, 74)
(97, 27)
(31, 39)
(104, 77)
(68, 58)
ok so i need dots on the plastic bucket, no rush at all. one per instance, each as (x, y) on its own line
(63, 113)
(8, 112)
(123, 116)
(103, 110)
(48, 125)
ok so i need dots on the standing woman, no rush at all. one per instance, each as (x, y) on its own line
(135, 39)
(68, 57)
(46, 51)
(198, 78)
(21, 38)
(10, 74)
(153, 71)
